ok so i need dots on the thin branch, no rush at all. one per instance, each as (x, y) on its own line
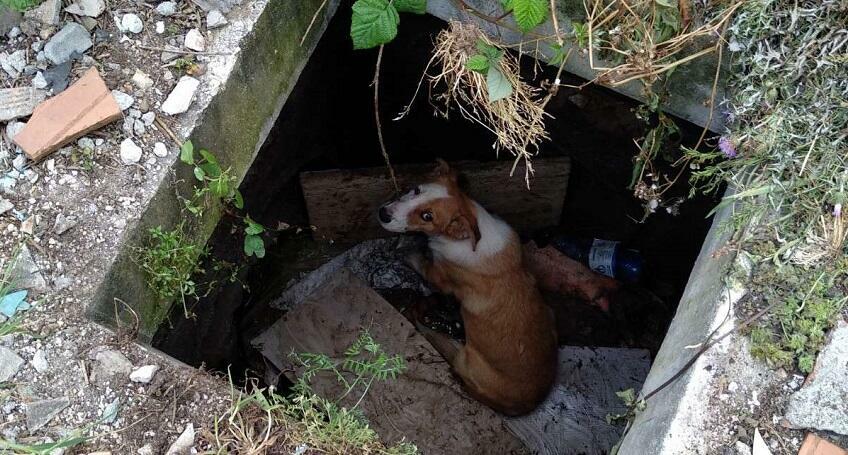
(376, 84)
(312, 22)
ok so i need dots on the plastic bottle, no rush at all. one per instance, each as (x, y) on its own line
(606, 257)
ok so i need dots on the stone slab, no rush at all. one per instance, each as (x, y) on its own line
(40, 413)
(85, 106)
(19, 102)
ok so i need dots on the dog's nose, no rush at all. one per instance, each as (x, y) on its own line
(384, 215)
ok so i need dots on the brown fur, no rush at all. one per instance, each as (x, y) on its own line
(509, 358)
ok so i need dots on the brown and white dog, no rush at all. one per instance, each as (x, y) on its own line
(510, 353)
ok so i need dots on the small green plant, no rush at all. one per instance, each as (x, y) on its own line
(263, 418)
(83, 157)
(486, 63)
(253, 243)
(528, 14)
(214, 180)
(170, 259)
(20, 5)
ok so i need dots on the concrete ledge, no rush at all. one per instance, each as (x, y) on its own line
(688, 90)
(240, 98)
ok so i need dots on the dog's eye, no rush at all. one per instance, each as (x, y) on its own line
(416, 191)
(427, 216)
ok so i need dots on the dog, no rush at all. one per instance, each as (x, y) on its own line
(509, 358)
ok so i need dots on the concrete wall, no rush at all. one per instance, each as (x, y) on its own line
(241, 96)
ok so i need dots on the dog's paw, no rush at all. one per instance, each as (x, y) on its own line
(416, 261)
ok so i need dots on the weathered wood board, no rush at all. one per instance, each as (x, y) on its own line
(424, 404)
(342, 204)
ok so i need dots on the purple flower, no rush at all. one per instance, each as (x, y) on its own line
(727, 147)
(837, 210)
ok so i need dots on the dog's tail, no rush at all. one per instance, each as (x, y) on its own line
(444, 344)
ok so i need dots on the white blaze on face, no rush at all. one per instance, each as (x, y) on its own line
(399, 209)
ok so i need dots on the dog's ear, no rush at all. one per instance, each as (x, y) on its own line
(464, 227)
(444, 171)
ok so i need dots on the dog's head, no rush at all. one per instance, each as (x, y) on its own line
(436, 208)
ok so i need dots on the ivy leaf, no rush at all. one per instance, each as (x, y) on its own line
(254, 246)
(529, 13)
(478, 63)
(187, 152)
(219, 187)
(497, 84)
(211, 169)
(199, 174)
(411, 6)
(253, 228)
(507, 5)
(374, 22)
(208, 156)
(238, 200)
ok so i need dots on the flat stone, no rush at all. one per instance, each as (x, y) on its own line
(63, 224)
(148, 118)
(166, 9)
(26, 273)
(142, 80)
(215, 19)
(19, 102)
(10, 363)
(144, 374)
(57, 75)
(13, 64)
(130, 153)
(47, 13)
(85, 106)
(131, 23)
(9, 19)
(821, 403)
(180, 98)
(138, 127)
(5, 205)
(39, 82)
(183, 443)
(124, 100)
(90, 8)
(112, 362)
(39, 361)
(72, 38)
(159, 149)
(814, 445)
(195, 41)
(40, 413)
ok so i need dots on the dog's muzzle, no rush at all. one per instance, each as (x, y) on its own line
(384, 215)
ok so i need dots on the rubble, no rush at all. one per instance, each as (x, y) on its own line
(195, 41)
(19, 102)
(180, 98)
(72, 38)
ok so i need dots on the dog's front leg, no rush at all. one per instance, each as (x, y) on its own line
(432, 271)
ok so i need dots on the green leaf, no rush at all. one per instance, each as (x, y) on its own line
(478, 63)
(497, 84)
(491, 52)
(253, 228)
(20, 5)
(559, 55)
(219, 187)
(374, 22)
(529, 13)
(507, 5)
(254, 246)
(209, 157)
(411, 6)
(211, 169)
(198, 173)
(238, 200)
(187, 152)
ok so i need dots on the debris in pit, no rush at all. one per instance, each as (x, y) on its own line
(85, 106)
(423, 403)
(19, 102)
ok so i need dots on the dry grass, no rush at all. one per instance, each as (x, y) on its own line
(517, 121)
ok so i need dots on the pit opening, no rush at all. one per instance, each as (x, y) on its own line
(327, 123)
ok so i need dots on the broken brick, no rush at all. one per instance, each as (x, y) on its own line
(814, 445)
(85, 106)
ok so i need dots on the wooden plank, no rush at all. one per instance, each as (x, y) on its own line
(19, 102)
(424, 404)
(342, 204)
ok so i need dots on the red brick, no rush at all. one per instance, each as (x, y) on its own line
(814, 445)
(85, 106)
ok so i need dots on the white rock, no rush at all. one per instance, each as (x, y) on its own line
(760, 447)
(215, 19)
(183, 443)
(124, 100)
(39, 361)
(142, 80)
(131, 23)
(5, 205)
(112, 362)
(38, 81)
(138, 127)
(148, 118)
(195, 41)
(14, 33)
(13, 128)
(166, 9)
(90, 8)
(144, 374)
(180, 98)
(10, 363)
(146, 450)
(159, 149)
(130, 153)
(160, 27)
